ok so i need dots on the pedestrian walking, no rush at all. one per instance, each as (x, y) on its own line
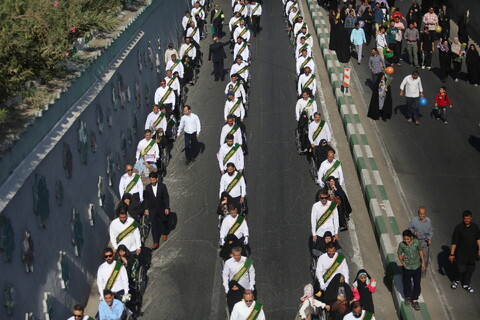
(427, 46)
(445, 58)
(422, 229)
(357, 38)
(441, 102)
(473, 65)
(410, 254)
(412, 88)
(465, 251)
(458, 53)
(217, 54)
(412, 36)
(376, 64)
(190, 123)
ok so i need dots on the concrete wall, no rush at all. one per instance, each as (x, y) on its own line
(162, 26)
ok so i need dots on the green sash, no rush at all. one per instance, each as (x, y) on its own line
(132, 183)
(237, 85)
(232, 131)
(318, 130)
(333, 268)
(194, 32)
(243, 69)
(243, 32)
(90, 318)
(243, 270)
(158, 120)
(241, 10)
(172, 78)
(368, 315)
(309, 81)
(255, 312)
(114, 275)
(327, 214)
(236, 225)
(308, 35)
(305, 45)
(331, 170)
(125, 233)
(256, 8)
(305, 62)
(148, 147)
(291, 6)
(188, 50)
(199, 11)
(230, 153)
(240, 51)
(189, 21)
(165, 96)
(234, 182)
(309, 103)
(175, 64)
(237, 22)
(235, 106)
(217, 14)
(296, 16)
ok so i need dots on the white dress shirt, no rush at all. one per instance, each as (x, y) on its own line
(240, 112)
(318, 209)
(324, 134)
(411, 87)
(132, 241)
(178, 68)
(324, 262)
(237, 159)
(381, 41)
(299, 53)
(289, 6)
(199, 11)
(310, 63)
(245, 36)
(152, 117)
(196, 36)
(151, 153)
(103, 274)
(85, 317)
(301, 104)
(231, 267)
(309, 39)
(258, 12)
(292, 15)
(298, 26)
(241, 8)
(160, 92)
(245, 53)
(233, 21)
(235, 67)
(303, 79)
(227, 223)
(240, 190)
(168, 54)
(237, 136)
(175, 84)
(137, 188)
(324, 167)
(350, 316)
(192, 53)
(240, 92)
(241, 311)
(185, 23)
(190, 124)
(202, 2)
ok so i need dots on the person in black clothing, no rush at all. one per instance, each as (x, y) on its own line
(444, 22)
(426, 47)
(336, 193)
(338, 296)
(381, 101)
(363, 288)
(465, 251)
(473, 65)
(367, 17)
(134, 207)
(216, 20)
(157, 206)
(445, 58)
(217, 54)
(462, 27)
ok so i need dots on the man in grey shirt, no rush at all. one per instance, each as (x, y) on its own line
(412, 36)
(422, 230)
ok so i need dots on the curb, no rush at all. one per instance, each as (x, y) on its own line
(387, 231)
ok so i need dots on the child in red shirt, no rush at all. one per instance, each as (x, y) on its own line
(441, 102)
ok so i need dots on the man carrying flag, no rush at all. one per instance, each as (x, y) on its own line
(234, 224)
(124, 230)
(216, 20)
(330, 168)
(230, 152)
(111, 275)
(329, 264)
(248, 308)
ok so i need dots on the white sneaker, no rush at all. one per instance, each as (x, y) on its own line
(456, 80)
(423, 67)
(428, 68)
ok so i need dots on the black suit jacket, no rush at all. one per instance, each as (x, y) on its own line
(216, 52)
(218, 20)
(156, 205)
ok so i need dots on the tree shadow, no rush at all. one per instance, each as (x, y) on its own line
(445, 267)
(474, 142)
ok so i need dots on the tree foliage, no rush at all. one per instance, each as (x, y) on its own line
(37, 35)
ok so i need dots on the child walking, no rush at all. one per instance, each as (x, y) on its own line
(441, 102)
(363, 288)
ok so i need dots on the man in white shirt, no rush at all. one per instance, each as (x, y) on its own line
(329, 264)
(241, 49)
(234, 107)
(172, 82)
(247, 307)
(318, 130)
(231, 128)
(303, 61)
(176, 66)
(230, 152)
(307, 81)
(124, 230)
(358, 312)
(306, 104)
(194, 33)
(147, 149)
(308, 37)
(293, 15)
(301, 46)
(298, 26)
(233, 183)
(112, 275)
(255, 15)
(187, 49)
(240, 67)
(289, 6)
(190, 123)
(324, 217)
(331, 167)
(238, 275)
(156, 120)
(412, 88)
(131, 182)
(242, 31)
(187, 19)
(241, 8)
(233, 23)
(79, 313)
(164, 95)
(199, 14)
(169, 52)
(237, 87)
(234, 224)
(381, 42)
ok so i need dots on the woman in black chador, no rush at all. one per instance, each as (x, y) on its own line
(381, 102)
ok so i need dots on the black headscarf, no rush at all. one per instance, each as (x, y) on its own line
(331, 293)
(365, 294)
(374, 108)
(134, 209)
(227, 247)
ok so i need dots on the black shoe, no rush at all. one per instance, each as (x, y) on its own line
(216, 79)
(187, 162)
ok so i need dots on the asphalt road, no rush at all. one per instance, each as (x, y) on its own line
(437, 165)
(185, 277)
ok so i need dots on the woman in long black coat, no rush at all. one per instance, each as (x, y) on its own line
(473, 65)
(445, 58)
(340, 40)
(381, 102)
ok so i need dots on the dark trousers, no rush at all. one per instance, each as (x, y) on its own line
(413, 108)
(256, 24)
(218, 70)
(457, 66)
(427, 58)
(191, 143)
(160, 226)
(464, 273)
(218, 29)
(411, 283)
(395, 47)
